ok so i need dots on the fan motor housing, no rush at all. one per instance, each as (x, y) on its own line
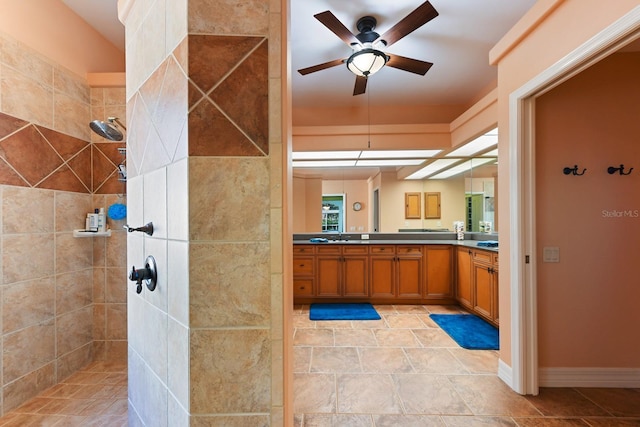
(365, 26)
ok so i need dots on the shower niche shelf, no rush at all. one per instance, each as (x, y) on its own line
(85, 233)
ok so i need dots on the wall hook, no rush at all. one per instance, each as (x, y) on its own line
(573, 171)
(148, 228)
(613, 169)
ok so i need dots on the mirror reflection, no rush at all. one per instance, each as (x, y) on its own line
(352, 201)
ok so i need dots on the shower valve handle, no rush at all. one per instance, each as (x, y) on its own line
(148, 274)
(147, 228)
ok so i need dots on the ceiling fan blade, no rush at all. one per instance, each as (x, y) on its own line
(319, 67)
(408, 64)
(332, 23)
(361, 85)
(416, 19)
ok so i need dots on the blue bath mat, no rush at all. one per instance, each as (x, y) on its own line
(469, 331)
(359, 311)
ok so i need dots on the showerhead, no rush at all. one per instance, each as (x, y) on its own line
(108, 129)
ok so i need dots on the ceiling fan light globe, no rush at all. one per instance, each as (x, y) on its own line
(366, 62)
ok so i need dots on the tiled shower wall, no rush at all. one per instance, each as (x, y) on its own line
(63, 299)
(204, 107)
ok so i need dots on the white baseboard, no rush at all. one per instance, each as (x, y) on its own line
(589, 377)
(505, 373)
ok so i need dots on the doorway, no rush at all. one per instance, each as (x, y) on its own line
(523, 375)
(376, 210)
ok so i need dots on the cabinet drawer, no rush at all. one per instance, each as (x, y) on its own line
(409, 250)
(304, 249)
(303, 287)
(355, 249)
(303, 266)
(328, 249)
(482, 256)
(382, 249)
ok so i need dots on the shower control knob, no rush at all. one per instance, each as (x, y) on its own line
(148, 275)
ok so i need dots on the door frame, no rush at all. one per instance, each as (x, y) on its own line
(522, 376)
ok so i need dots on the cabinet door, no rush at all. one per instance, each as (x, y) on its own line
(439, 272)
(496, 311)
(483, 300)
(463, 276)
(382, 276)
(354, 276)
(409, 276)
(328, 276)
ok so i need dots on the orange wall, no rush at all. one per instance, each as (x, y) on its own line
(551, 30)
(592, 121)
(54, 30)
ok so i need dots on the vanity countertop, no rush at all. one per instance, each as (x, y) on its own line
(399, 239)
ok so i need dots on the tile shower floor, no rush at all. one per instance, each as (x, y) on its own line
(404, 370)
(94, 396)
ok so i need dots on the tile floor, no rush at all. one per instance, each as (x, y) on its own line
(404, 370)
(94, 396)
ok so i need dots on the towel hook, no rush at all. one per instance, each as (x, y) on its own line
(613, 169)
(573, 171)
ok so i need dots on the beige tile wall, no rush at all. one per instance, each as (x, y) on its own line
(209, 340)
(62, 299)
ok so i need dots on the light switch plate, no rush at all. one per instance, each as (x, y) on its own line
(551, 254)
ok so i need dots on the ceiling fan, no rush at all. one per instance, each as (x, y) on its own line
(367, 57)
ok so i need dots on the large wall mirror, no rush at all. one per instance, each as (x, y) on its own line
(374, 199)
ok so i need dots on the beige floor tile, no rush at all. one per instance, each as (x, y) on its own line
(301, 359)
(444, 309)
(334, 324)
(428, 321)
(354, 338)
(385, 309)
(320, 337)
(335, 360)
(384, 360)
(370, 324)
(396, 338)
(399, 321)
(473, 421)
(477, 361)
(488, 395)
(314, 393)
(367, 394)
(322, 420)
(434, 338)
(417, 309)
(434, 361)
(408, 421)
(430, 395)
(301, 321)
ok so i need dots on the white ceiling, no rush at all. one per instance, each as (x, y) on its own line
(101, 15)
(457, 42)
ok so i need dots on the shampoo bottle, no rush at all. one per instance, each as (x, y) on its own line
(102, 223)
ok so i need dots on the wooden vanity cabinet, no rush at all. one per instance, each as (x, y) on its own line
(342, 271)
(438, 272)
(477, 282)
(396, 271)
(303, 270)
(464, 288)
